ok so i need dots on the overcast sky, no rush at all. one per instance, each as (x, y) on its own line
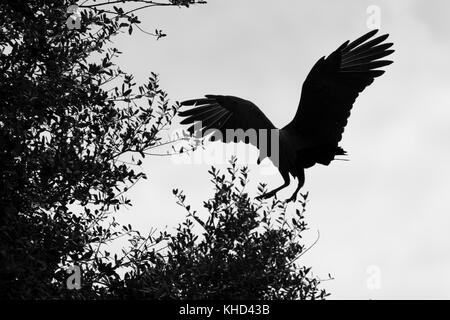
(383, 213)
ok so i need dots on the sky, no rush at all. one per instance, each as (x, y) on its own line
(383, 216)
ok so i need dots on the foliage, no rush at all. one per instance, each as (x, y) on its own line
(74, 129)
(248, 249)
(67, 118)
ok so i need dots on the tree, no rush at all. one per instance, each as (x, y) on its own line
(68, 116)
(246, 249)
(74, 129)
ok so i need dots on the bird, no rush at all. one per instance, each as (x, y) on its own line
(313, 135)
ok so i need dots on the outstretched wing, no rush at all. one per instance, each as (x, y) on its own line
(219, 113)
(332, 86)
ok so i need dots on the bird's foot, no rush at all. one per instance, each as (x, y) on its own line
(293, 198)
(266, 195)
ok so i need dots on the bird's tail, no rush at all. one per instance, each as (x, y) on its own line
(340, 152)
(322, 155)
(327, 155)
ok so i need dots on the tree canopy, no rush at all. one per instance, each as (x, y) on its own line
(68, 116)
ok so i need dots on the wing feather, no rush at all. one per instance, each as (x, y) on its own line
(220, 113)
(332, 87)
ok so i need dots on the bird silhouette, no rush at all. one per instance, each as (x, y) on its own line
(313, 136)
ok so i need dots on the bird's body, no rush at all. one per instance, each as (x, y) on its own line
(313, 136)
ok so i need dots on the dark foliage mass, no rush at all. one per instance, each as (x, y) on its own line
(69, 118)
(246, 250)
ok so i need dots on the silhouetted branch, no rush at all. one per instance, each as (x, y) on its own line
(306, 250)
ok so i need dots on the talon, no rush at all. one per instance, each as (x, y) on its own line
(265, 196)
(291, 199)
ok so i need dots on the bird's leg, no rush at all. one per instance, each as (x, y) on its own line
(270, 194)
(293, 198)
(301, 182)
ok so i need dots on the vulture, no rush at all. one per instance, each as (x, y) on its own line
(313, 136)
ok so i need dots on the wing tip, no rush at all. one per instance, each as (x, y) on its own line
(188, 102)
(373, 32)
(365, 37)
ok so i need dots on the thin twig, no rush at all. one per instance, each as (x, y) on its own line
(306, 250)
